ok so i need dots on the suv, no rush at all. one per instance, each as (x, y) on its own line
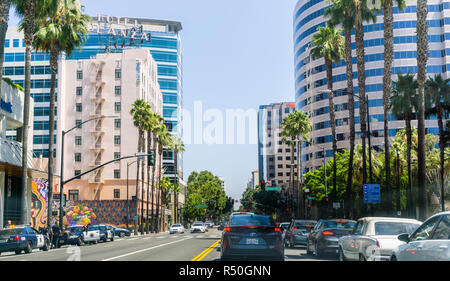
(198, 226)
(106, 232)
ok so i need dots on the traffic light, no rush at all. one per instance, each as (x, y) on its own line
(326, 199)
(151, 158)
(232, 201)
(263, 185)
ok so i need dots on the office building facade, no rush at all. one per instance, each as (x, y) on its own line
(310, 74)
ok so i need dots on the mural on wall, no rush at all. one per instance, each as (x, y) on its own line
(109, 211)
(79, 214)
(39, 201)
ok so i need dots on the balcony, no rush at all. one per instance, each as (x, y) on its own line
(11, 153)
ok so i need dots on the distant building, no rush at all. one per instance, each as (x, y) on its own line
(255, 178)
(274, 156)
(222, 182)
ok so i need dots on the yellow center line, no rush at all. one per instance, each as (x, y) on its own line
(206, 252)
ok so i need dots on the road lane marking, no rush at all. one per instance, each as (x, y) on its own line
(143, 250)
(206, 252)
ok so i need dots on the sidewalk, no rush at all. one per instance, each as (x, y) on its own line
(147, 235)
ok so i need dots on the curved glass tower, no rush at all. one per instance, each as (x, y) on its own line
(310, 74)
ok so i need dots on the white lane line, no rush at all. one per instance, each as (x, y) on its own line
(143, 250)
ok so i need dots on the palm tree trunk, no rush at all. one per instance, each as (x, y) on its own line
(329, 67)
(351, 114)
(28, 21)
(158, 192)
(387, 89)
(142, 185)
(299, 211)
(359, 38)
(149, 143)
(4, 18)
(292, 177)
(138, 164)
(411, 200)
(440, 114)
(51, 129)
(422, 58)
(175, 198)
(153, 185)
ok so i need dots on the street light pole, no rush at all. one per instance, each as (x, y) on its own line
(128, 204)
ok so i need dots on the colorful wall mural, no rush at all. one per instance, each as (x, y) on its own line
(79, 214)
(39, 201)
(106, 211)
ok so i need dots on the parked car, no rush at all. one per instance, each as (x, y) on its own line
(250, 237)
(374, 238)
(73, 236)
(323, 239)
(176, 228)
(221, 226)
(106, 232)
(22, 238)
(297, 232)
(209, 224)
(429, 242)
(121, 232)
(92, 234)
(198, 227)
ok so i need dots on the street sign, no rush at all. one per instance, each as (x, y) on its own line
(307, 190)
(372, 193)
(273, 188)
(336, 205)
(202, 206)
(311, 198)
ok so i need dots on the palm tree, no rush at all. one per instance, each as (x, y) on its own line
(178, 147)
(28, 11)
(4, 18)
(387, 85)
(149, 128)
(139, 113)
(163, 141)
(343, 12)
(422, 59)
(63, 30)
(329, 43)
(403, 105)
(438, 93)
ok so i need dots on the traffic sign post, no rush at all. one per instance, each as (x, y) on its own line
(273, 188)
(372, 194)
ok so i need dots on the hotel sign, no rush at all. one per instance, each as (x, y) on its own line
(120, 28)
(6, 106)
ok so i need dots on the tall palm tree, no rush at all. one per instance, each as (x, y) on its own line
(403, 105)
(387, 86)
(178, 147)
(4, 18)
(162, 140)
(342, 12)
(329, 43)
(28, 11)
(438, 93)
(149, 128)
(63, 30)
(422, 59)
(139, 113)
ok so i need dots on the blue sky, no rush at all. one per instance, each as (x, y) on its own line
(237, 54)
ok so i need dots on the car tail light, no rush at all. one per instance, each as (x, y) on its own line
(227, 229)
(279, 244)
(277, 229)
(295, 228)
(378, 244)
(225, 243)
(328, 233)
(17, 238)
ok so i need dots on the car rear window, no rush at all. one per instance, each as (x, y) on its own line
(12, 231)
(246, 220)
(176, 225)
(304, 224)
(339, 224)
(394, 228)
(75, 229)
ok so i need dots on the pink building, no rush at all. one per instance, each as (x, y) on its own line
(104, 86)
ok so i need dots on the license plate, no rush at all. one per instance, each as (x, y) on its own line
(252, 241)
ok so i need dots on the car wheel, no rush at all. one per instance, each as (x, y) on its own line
(28, 249)
(95, 242)
(393, 258)
(79, 242)
(308, 251)
(361, 257)
(112, 238)
(317, 252)
(18, 252)
(46, 246)
(341, 255)
(122, 234)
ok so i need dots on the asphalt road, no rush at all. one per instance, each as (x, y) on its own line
(162, 247)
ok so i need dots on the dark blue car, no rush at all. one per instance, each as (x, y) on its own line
(73, 236)
(22, 238)
(121, 232)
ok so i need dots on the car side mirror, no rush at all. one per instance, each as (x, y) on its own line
(404, 237)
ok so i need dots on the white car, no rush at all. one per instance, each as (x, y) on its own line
(92, 234)
(374, 238)
(198, 227)
(430, 242)
(176, 228)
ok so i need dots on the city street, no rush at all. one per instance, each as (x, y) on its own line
(161, 247)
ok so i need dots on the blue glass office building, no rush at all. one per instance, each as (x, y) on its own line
(164, 45)
(310, 74)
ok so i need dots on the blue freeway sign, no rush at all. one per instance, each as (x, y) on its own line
(372, 193)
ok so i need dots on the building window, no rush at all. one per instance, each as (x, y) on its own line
(77, 157)
(79, 75)
(79, 91)
(73, 195)
(15, 43)
(77, 172)
(117, 174)
(117, 106)
(116, 155)
(77, 140)
(118, 90)
(116, 140)
(116, 193)
(79, 107)
(117, 123)
(118, 74)
(78, 123)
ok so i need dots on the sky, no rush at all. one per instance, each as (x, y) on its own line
(237, 54)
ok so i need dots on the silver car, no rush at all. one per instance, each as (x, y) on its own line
(430, 242)
(176, 228)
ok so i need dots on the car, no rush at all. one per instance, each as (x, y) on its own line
(297, 231)
(92, 234)
(209, 224)
(324, 237)
(252, 237)
(429, 242)
(221, 226)
(121, 232)
(73, 236)
(240, 213)
(176, 228)
(22, 238)
(374, 238)
(106, 232)
(198, 227)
